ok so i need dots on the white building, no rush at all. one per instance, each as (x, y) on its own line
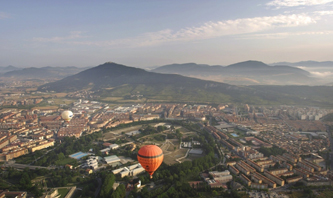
(111, 159)
(114, 146)
(129, 171)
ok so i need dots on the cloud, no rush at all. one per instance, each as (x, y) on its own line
(322, 13)
(281, 35)
(223, 28)
(4, 15)
(321, 74)
(71, 36)
(206, 31)
(293, 3)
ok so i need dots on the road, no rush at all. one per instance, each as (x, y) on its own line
(99, 180)
(23, 166)
(331, 146)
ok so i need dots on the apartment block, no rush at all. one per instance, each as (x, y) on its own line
(274, 178)
(245, 180)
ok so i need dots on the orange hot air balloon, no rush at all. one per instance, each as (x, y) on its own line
(150, 158)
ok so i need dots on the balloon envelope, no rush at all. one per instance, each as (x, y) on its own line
(67, 115)
(150, 157)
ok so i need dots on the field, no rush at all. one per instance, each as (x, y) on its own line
(63, 191)
(114, 134)
(65, 161)
(295, 194)
(121, 99)
(170, 147)
(325, 194)
(170, 157)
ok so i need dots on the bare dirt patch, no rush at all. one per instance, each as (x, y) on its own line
(170, 157)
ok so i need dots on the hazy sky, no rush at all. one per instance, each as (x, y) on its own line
(153, 32)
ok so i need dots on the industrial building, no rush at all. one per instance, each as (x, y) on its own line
(111, 159)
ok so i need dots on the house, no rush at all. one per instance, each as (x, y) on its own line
(89, 171)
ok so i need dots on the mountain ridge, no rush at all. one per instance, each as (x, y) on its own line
(251, 71)
(115, 80)
(308, 63)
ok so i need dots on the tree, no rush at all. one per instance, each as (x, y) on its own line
(107, 186)
(120, 192)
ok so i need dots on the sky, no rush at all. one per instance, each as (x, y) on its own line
(146, 33)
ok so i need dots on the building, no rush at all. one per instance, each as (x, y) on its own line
(111, 159)
(245, 180)
(306, 167)
(265, 180)
(41, 146)
(259, 186)
(114, 146)
(315, 166)
(14, 154)
(255, 165)
(222, 177)
(252, 170)
(16, 194)
(293, 179)
(242, 169)
(274, 178)
(279, 171)
(301, 172)
(92, 163)
(232, 163)
(233, 170)
(256, 179)
(89, 171)
(132, 170)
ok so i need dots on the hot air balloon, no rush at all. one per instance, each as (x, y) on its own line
(150, 158)
(67, 115)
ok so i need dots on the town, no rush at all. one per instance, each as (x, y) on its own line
(257, 150)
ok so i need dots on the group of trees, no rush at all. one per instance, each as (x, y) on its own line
(22, 180)
(69, 146)
(107, 186)
(122, 126)
(272, 151)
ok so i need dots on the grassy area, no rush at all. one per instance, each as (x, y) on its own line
(63, 192)
(296, 194)
(65, 161)
(26, 159)
(325, 194)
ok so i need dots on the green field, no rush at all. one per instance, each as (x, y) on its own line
(63, 192)
(65, 161)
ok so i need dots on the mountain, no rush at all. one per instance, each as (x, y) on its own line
(8, 69)
(111, 75)
(43, 72)
(307, 63)
(243, 73)
(115, 80)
